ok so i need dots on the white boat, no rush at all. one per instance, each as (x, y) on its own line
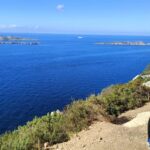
(80, 37)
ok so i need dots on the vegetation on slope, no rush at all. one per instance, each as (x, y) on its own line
(146, 71)
(58, 126)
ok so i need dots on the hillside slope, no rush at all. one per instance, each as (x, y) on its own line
(108, 136)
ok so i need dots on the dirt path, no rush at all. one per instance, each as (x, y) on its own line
(107, 136)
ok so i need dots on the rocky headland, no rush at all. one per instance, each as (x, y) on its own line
(12, 40)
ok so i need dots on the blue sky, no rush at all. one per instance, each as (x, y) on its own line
(131, 17)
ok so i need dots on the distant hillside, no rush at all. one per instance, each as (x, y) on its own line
(10, 38)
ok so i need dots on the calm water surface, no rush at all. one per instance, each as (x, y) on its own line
(37, 79)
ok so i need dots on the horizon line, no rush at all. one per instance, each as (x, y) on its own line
(78, 34)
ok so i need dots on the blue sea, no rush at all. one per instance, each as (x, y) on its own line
(40, 78)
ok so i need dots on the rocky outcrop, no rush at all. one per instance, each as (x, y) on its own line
(136, 43)
(12, 40)
(18, 43)
(139, 120)
(147, 84)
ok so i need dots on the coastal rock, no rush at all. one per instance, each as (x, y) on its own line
(136, 77)
(139, 120)
(145, 76)
(147, 84)
(46, 145)
(128, 43)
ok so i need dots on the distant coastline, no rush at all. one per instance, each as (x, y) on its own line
(128, 43)
(11, 40)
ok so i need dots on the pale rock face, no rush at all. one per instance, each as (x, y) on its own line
(136, 77)
(139, 120)
(46, 145)
(145, 76)
(58, 111)
(52, 113)
(147, 84)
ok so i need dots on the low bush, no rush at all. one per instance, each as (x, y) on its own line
(80, 114)
(119, 98)
(32, 136)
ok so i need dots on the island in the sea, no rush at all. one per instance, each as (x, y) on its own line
(17, 40)
(128, 43)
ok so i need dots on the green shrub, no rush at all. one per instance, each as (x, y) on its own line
(119, 98)
(46, 129)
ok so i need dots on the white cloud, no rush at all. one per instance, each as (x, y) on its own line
(60, 7)
(36, 27)
(10, 26)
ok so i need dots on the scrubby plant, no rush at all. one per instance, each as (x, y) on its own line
(119, 98)
(31, 136)
(80, 114)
